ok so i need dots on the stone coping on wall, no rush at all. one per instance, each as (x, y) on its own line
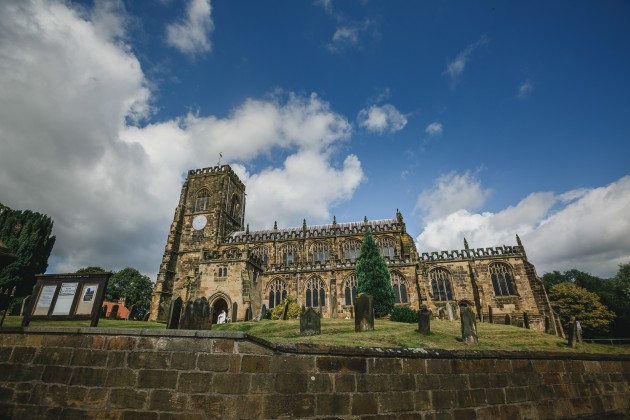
(318, 349)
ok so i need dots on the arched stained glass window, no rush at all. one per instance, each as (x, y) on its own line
(277, 292)
(350, 289)
(400, 286)
(320, 252)
(315, 292)
(202, 200)
(387, 247)
(351, 250)
(502, 279)
(289, 254)
(263, 253)
(441, 284)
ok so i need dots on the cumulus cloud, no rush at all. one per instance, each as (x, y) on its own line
(434, 129)
(587, 229)
(71, 149)
(382, 118)
(455, 68)
(452, 192)
(191, 34)
(525, 89)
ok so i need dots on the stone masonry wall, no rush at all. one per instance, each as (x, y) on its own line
(158, 374)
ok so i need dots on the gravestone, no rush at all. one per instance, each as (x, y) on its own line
(197, 315)
(333, 304)
(469, 325)
(263, 313)
(146, 316)
(186, 318)
(114, 313)
(285, 311)
(490, 320)
(248, 313)
(578, 328)
(508, 320)
(352, 312)
(103, 313)
(364, 316)
(424, 321)
(547, 324)
(234, 311)
(164, 310)
(174, 314)
(450, 312)
(572, 333)
(24, 307)
(441, 313)
(525, 320)
(310, 323)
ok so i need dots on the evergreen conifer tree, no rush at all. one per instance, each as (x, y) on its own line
(373, 276)
(27, 235)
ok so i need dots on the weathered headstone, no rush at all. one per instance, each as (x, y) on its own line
(24, 307)
(234, 311)
(174, 314)
(114, 313)
(352, 312)
(248, 313)
(441, 313)
(263, 313)
(103, 313)
(310, 322)
(364, 316)
(164, 309)
(578, 328)
(572, 333)
(547, 324)
(197, 315)
(450, 312)
(490, 319)
(508, 319)
(333, 305)
(469, 325)
(185, 322)
(525, 320)
(146, 316)
(204, 322)
(424, 321)
(285, 311)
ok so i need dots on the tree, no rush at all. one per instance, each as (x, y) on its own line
(91, 269)
(135, 287)
(373, 276)
(28, 235)
(571, 300)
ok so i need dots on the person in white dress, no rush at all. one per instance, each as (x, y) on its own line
(221, 318)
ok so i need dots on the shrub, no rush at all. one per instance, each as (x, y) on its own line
(404, 314)
(293, 312)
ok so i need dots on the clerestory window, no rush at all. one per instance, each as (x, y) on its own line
(315, 292)
(277, 292)
(399, 284)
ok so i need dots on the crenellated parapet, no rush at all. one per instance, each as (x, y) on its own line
(223, 169)
(464, 254)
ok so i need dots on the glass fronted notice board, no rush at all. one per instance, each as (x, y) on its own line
(67, 297)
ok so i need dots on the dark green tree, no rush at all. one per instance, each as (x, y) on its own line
(553, 278)
(569, 300)
(132, 285)
(91, 270)
(373, 276)
(28, 235)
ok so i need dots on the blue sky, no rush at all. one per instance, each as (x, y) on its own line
(479, 120)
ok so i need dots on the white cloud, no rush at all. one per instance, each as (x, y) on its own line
(452, 192)
(348, 31)
(455, 68)
(191, 35)
(69, 90)
(587, 229)
(525, 89)
(434, 129)
(382, 118)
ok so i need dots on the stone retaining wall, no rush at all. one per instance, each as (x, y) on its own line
(151, 374)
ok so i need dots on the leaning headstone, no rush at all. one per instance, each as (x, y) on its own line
(234, 311)
(364, 316)
(469, 325)
(248, 313)
(285, 311)
(572, 333)
(146, 316)
(424, 321)
(578, 328)
(450, 313)
(114, 313)
(203, 314)
(263, 313)
(310, 322)
(174, 314)
(164, 309)
(185, 322)
(508, 320)
(25, 305)
(490, 314)
(525, 320)
(547, 324)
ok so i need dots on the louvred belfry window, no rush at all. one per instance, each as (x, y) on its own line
(202, 201)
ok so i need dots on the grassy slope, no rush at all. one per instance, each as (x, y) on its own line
(340, 332)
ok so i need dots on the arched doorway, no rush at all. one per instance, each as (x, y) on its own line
(219, 305)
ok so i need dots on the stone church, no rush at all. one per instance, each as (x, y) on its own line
(211, 253)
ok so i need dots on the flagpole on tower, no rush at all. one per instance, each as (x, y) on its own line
(220, 156)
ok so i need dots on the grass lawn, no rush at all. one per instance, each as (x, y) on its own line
(340, 332)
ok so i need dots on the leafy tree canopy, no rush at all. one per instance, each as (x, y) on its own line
(28, 235)
(373, 276)
(569, 300)
(135, 287)
(91, 269)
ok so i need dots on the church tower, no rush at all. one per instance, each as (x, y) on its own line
(211, 207)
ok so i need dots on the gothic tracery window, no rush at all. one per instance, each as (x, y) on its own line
(320, 252)
(387, 247)
(202, 200)
(277, 292)
(315, 292)
(289, 254)
(262, 253)
(441, 284)
(399, 283)
(350, 289)
(351, 250)
(502, 279)
(235, 207)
